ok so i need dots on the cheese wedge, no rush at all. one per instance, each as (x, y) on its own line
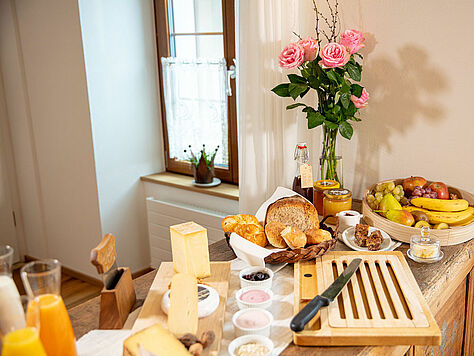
(183, 311)
(156, 340)
(190, 249)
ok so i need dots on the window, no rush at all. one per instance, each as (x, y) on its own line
(196, 47)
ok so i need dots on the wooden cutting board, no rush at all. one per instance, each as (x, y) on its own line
(381, 305)
(151, 312)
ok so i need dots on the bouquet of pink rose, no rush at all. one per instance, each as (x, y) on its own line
(331, 72)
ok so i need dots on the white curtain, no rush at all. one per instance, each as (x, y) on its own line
(267, 132)
(195, 94)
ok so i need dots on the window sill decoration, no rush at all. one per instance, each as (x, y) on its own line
(331, 70)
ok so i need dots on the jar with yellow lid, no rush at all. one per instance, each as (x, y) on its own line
(318, 192)
(335, 201)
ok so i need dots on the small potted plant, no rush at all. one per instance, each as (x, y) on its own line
(203, 164)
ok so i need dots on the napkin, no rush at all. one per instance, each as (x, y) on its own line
(102, 343)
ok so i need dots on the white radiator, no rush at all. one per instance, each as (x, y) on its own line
(161, 215)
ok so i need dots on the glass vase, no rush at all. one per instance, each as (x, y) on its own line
(330, 164)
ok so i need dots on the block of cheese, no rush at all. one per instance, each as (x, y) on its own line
(156, 340)
(190, 249)
(183, 311)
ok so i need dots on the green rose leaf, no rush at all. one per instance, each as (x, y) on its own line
(331, 125)
(346, 130)
(304, 93)
(336, 110)
(314, 119)
(294, 78)
(313, 82)
(345, 100)
(308, 109)
(351, 110)
(333, 76)
(306, 72)
(354, 71)
(346, 88)
(337, 97)
(292, 106)
(353, 118)
(356, 89)
(282, 90)
(296, 89)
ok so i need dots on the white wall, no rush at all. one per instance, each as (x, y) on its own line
(46, 95)
(418, 70)
(121, 69)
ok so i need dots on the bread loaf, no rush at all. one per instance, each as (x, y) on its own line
(273, 231)
(293, 211)
(295, 238)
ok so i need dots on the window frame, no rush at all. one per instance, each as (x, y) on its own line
(230, 175)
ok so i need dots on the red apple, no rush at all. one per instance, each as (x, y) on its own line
(440, 189)
(409, 184)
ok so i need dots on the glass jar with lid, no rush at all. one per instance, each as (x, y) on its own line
(318, 192)
(335, 201)
(425, 248)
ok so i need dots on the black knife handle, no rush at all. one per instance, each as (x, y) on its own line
(308, 312)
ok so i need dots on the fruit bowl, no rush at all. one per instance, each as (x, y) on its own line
(452, 236)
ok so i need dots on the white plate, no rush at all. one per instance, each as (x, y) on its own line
(349, 239)
(215, 182)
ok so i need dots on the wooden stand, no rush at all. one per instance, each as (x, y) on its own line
(115, 304)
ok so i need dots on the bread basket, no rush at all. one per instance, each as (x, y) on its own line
(302, 254)
(448, 237)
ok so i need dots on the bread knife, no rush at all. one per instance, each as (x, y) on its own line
(311, 309)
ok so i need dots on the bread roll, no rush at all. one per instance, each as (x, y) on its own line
(273, 232)
(316, 236)
(229, 223)
(253, 233)
(295, 212)
(295, 238)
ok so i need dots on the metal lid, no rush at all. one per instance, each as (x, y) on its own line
(337, 194)
(325, 184)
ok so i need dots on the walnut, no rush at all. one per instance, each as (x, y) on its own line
(207, 338)
(188, 340)
(453, 196)
(195, 349)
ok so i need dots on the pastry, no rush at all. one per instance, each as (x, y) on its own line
(247, 226)
(294, 237)
(374, 241)
(273, 232)
(360, 235)
(316, 236)
(230, 222)
(293, 211)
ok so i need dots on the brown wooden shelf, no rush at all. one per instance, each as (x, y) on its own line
(223, 190)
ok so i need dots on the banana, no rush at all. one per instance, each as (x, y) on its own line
(450, 218)
(441, 204)
(464, 222)
(411, 209)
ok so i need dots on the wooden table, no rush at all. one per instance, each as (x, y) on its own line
(448, 287)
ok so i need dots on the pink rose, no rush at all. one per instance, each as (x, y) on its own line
(361, 102)
(352, 39)
(334, 55)
(292, 56)
(310, 46)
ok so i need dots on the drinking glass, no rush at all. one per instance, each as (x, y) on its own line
(23, 341)
(42, 281)
(11, 311)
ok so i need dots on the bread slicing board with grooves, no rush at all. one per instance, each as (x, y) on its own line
(151, 312)
(381, 305)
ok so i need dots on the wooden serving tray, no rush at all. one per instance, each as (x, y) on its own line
(452, 236)
(151, 312)
(381, 305)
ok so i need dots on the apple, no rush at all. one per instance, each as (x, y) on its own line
(409, 184)
(440, 189)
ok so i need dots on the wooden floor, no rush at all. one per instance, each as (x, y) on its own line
(73, 290)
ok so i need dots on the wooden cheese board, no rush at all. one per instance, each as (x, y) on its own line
(151, 312)
(452, 236)
(381, 305)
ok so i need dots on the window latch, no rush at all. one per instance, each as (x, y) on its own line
(231, 74)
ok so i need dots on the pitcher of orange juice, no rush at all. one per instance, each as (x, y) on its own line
(42, 281)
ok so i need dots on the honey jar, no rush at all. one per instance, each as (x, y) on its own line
(318, 192)
(335, 201)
